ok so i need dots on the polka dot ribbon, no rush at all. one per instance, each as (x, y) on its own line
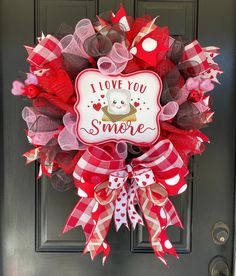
(147, 181)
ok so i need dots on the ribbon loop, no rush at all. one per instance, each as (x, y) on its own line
(157, 194)
(103, 194)
(144, 177)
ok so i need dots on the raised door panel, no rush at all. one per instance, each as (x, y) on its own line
(180, 17)
(51, 14)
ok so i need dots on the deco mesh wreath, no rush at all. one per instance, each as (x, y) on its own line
(116, 110)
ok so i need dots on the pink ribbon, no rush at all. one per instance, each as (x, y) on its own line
(116, 61)
(73, 44)
(200, 85)
(41, 128)
(169, 111)
(67, 138)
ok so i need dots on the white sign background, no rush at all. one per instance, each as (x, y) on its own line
(91, 97)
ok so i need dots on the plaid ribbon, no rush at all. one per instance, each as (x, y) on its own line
(201, 60)
(152, 176)
(47, 50)
(35, 154)
(32, 155)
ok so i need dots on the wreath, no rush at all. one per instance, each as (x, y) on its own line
(116, 110)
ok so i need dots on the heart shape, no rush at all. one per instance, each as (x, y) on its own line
(122, 214)
(136, 104)
(97, 106)
(17, 88)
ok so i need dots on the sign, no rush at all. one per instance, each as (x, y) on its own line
(118, 108)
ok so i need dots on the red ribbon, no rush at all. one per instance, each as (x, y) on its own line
(101, 179)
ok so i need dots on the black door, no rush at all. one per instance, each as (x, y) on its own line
(33, 213)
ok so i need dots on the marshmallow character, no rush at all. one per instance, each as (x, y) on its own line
(118, 101)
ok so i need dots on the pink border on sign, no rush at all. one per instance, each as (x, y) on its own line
(124, 76)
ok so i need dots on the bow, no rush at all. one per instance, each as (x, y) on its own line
(110, 188)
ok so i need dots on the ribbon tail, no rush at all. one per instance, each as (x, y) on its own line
(153, 224)
(157, 222)
(172, 215)
(32, 155)
(105, 248)
(134, 216)
(120, 213)
(96, 242)
(81, 215)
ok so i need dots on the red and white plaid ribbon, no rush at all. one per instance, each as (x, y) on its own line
(201, 60)
(102, 181)
(47, 50)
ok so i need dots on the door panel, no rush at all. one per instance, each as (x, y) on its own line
(51, 14)
(180, 17)
(31, 245)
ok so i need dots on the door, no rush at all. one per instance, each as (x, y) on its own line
(33, 213)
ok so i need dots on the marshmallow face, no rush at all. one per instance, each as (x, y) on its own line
(118, 101)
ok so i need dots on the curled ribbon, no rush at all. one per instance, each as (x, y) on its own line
(169, 111)
(41, 128)
(116, 61)
(67, 138)
(73, 44)
(113, 188)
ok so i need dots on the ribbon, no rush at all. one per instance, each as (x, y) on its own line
(122, 18)
(41, 128)
(146, 41)
(112, 189)
(194, 109)
(187, 143)
(45, 54)
(201, 60)
(116, 61)
(73, 44)
(169, 111)
(67, 138)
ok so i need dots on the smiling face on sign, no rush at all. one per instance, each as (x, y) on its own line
(118, 108)
(118, 101)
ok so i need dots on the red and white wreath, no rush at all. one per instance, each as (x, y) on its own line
(116, 109)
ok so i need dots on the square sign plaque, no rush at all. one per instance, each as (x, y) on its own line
(118, 108)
